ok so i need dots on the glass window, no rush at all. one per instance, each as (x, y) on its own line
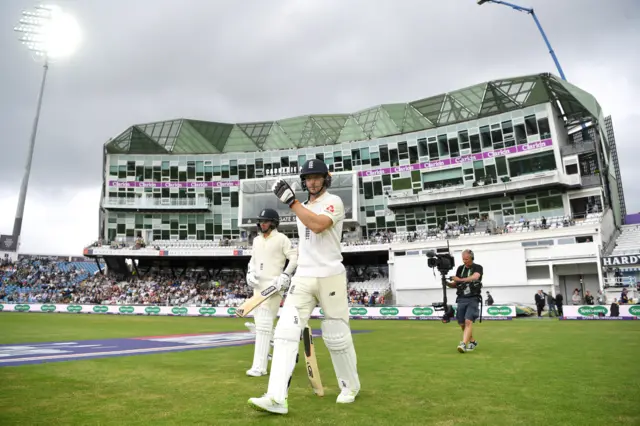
(401, 184)
(386, 180)
(217, 199)
(485, 135)
(368, 191)
(521, 135)
(507, 127)
(531, 125)
(475, 144)
(433, 151)
(501, 165)
(234, 199)
(550, 203)
(393, 153)
(422, 148)
(402, 148)
(443, 146)
(413, 154)
(384, 153)
(377, 188)
(453, 147)
(531, 164)
(543, 126)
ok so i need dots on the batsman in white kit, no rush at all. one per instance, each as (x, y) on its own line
(320, 277)
(270, 252)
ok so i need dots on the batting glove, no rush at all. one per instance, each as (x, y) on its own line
(284, 192)
(282, 282)
(252, 280)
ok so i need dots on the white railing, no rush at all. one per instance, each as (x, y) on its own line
(460, 192)
(159, 203)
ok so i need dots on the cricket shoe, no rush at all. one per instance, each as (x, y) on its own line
(462, 348)
(254, 372)
(347, 396)
(268, 404)
(472, 345)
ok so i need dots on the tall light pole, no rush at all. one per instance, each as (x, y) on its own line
(50, 33)
(535, 18)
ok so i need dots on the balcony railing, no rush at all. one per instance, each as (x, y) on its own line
(578, 148)
(156, 203)
(590, 180)
(532, 181)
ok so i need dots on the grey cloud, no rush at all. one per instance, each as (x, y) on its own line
(248, 61)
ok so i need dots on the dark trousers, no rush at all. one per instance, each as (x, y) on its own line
(559, 308)
(540, 308)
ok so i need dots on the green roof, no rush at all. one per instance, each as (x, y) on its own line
(186, 136)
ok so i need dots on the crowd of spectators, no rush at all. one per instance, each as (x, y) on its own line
(48, 281)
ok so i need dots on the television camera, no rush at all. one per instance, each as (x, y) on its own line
(444, 263)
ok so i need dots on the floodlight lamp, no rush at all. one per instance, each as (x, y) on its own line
(49, 31)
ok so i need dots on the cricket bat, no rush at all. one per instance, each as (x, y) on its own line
(312, 363)
(254, 301)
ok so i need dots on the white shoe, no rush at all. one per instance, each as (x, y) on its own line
(267, 403)
(462, 348)
(347, 396)
(254, 372)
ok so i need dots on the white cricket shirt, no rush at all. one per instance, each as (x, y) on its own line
(269, 255)
(320, 255)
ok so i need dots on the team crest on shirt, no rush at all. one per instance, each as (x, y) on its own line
(330, 209)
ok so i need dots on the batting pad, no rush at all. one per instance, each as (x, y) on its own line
(337, 337)
(264, 332)
(286, 341)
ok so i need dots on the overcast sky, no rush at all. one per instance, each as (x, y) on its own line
(241, 60)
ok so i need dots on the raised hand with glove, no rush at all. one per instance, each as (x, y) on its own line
(283, 191)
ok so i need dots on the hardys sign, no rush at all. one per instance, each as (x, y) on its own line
(355, 312)
(622, 260)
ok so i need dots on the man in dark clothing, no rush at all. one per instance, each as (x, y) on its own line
(539, 302)
(614, 309)
(559, 300)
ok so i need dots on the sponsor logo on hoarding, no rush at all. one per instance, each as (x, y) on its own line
(422, 311)
(22, 308)
(179, 310)
(126, 309)
(321, 311)
(152, 310)
(100, 309)
(1, 307)
(48, 308)
(633, 310)
(74, 308)
(207, 311)
(499, 310)
(389, 311)
(231, 311)
(592, 310)
(357, 311)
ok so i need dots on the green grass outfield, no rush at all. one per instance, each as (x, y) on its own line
(533, 372)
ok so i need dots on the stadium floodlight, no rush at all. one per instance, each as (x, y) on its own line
(535, 18)
(50, 33)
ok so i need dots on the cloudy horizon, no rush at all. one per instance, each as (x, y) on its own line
(243, 61)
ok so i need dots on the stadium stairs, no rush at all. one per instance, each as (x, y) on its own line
(628, 242)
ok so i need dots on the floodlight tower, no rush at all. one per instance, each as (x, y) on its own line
(50, 33)
(535, 18)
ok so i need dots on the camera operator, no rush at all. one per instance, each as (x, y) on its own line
(468, 285)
